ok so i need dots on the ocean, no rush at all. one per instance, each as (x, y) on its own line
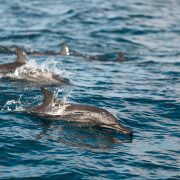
(143, 92)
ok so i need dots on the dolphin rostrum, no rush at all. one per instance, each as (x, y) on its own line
(10, 67)
(84, 114)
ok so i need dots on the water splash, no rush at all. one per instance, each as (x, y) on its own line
(59, 108)
(14, 105)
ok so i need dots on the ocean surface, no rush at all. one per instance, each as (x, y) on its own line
(143, 92)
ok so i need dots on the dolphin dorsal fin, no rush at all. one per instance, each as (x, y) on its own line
(48, 100)
(21, 56)
(48, 96)
(64, 50)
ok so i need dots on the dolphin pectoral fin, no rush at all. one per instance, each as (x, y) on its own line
(21, 56)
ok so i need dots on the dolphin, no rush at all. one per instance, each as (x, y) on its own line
(20, 61)
(84, 114)
(36, 75)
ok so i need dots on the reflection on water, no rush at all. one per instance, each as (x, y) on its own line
(84, 137)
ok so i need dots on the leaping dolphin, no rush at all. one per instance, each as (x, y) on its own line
(20, 61)
(84, 114)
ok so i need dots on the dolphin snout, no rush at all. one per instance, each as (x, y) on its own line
(61, 79)
(122, 129)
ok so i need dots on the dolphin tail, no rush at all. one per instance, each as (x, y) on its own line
(21, 56)
(64, 50)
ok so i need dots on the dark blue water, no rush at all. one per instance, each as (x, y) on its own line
(143, 92)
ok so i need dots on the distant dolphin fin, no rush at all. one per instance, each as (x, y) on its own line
(121, 57)
(64, 50)
(21, 56)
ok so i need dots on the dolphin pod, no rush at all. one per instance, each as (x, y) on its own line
(84, 114)
(78, 113)
(65, 51)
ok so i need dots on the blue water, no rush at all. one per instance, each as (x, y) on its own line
(143, 92)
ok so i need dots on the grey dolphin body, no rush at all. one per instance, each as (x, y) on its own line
(78, 113)
(10, 67)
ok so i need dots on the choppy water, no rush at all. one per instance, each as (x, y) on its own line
(144, 92)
